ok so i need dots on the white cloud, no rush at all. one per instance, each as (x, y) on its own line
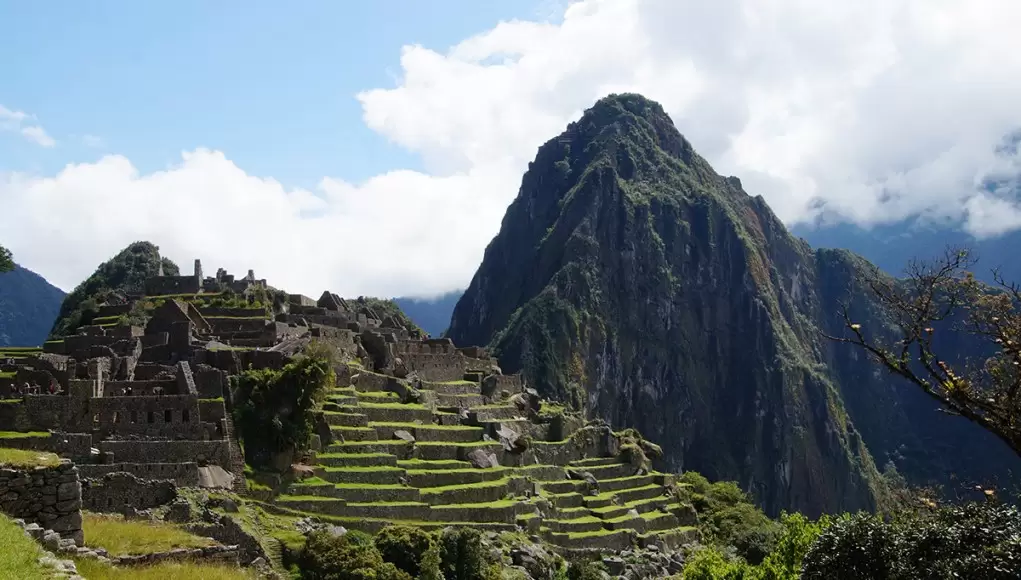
(867, 111)
(92, 141)
(15, 121)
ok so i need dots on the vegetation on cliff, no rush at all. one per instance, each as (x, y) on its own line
(123, 274)
(6, 260)
(275, 409)
(382, 308)
(633, 282)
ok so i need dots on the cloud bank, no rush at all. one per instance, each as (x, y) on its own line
(18, 122)
(869, 112)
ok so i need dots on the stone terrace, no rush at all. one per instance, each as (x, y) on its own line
(457, 456)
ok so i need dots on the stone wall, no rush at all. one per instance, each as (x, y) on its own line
(201, 452)
(114, 492)
(164, 285)
(183, 474)
(48, 496)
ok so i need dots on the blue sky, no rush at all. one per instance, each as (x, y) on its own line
(372, 147)
(271, 83)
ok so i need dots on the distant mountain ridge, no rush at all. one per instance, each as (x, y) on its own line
(431, 314)
(28, 306)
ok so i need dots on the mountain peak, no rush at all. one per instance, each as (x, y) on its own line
(632, 117)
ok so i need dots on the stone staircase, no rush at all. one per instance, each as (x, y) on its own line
(373, 474)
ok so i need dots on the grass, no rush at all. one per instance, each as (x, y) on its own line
(20, 349)
(235, 317)
(20, 434)
(19, 555)
(216, 400)
(96, 570)
(409, 426)
(27, 458)
(122, 537)
(8, 375)
(392, 405)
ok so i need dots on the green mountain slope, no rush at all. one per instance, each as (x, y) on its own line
(125, 273)
(28, 305)
(632, 279)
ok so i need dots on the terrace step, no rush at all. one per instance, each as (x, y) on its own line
(372, 475)
(432, 450)
(624, 496)
(452, 387)
(459, 401)
(567, 500)
(402, 449)
(356, 459)
(543, 472)
(493, 412)
(355, 433)
(503, 511)
(424, 464)
(346, 419)
(394, 412)
(572, 513)
(594, 461)
(565, 486)
(673, 538)
(584, 524)
(341, 400)
(659, 521)
(608, 540)
(367, 493)
(428, 432)
(392, 511)
(446, 477)
(609, 471)
(472, 493)
(626, 483)
(313, 504)
(377, 397)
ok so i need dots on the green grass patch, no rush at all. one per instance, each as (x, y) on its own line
(375, 405)
(19, 555)
(96, 570)
(459, 444)
(216, 400)
(311, 481)
(27, 458)
(376, 395)
(21, 349)
(121, 537)
(351, 455)
(439, 464)
(362, 469)
(9, 374)
(21, 434)
(235, 317)
(409, 426)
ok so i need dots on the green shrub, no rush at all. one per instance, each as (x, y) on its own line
(980, 540)
(796, 538)
(348, 557)
(585, 570)
(405, 547)
(727, 517)
(711, 564)
(275, 409)
(463, 556)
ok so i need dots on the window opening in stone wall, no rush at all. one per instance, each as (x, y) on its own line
(116, 417)
(184, 416)
(168, 416)
(134, 416)
(152, 417)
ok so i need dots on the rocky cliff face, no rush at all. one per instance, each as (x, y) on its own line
(631, 279)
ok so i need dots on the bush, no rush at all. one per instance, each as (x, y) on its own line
(585, 570)
(727, 517)
(979, 540)
(711, 564)
(348, 557)
(463, 556)
(405, 547)
(275, 410)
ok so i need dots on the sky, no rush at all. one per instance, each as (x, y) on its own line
(371, 148)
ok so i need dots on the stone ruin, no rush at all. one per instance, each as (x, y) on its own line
(416, 429)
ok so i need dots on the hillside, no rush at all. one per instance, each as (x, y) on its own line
(631, 278)
(123, 274)
(28, 305)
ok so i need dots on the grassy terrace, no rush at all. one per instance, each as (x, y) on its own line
(370, 478)
(20, 554)
(27, 458)
(122, 537)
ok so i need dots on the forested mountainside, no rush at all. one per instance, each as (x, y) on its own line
(632, 279)
(28, 305)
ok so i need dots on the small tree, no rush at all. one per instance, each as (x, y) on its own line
(6, 260)
(275, 410)
(942, 296)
